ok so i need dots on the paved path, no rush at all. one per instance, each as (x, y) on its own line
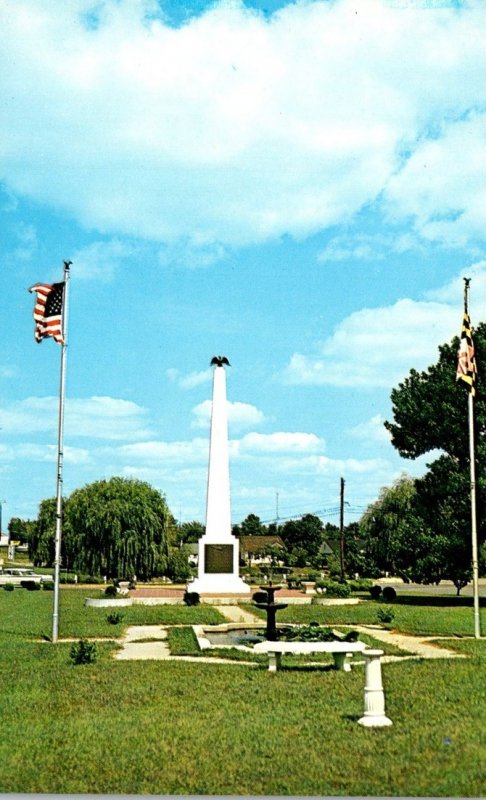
(420, 647)
(148, 642)
(237, 614)
(143, 642)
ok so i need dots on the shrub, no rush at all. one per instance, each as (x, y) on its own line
(260, 597)
(316, 633)
(9, 587)
(360, 585)
(389, 594)
(191, 598)
(385, 614)
(333, 588)
(83, 652)
(111, 591)
(48, 586)
(114, 618)
(375, 591)
(31, 586)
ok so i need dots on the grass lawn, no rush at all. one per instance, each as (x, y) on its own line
(29, 614)
(188, 728)
(425, 616)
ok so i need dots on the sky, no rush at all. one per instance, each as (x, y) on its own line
(299, 186)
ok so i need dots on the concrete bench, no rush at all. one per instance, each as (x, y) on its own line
(341, 651)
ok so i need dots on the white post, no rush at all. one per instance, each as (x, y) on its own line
(472, 469)
(374, 696)
(474, 535)
(60, 445)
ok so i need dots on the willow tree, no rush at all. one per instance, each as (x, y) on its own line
(118, 528)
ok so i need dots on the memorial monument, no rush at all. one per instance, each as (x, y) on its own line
(218, 557)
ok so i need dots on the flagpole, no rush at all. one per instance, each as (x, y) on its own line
(60, 446)
(472, 464)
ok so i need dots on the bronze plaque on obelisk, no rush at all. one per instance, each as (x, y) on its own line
(218, 558)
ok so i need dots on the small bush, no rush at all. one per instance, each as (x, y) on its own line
(260, 597)
(333, 588)
(191, 598)
(375, 591)
(360, 585)
(111, 591)
(48, 586)
(83, 652)
(385, 615)
(389, 594)
(9, 587)
(31, 586)
(316, 633)
(114, 618)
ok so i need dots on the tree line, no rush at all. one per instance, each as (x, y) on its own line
(417, 528)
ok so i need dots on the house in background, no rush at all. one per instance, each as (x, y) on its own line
(253, 549)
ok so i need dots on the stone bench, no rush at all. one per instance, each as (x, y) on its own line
(341, 651)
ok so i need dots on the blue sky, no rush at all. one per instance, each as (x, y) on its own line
(298, 186)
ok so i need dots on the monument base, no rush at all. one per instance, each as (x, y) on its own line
(219, 584)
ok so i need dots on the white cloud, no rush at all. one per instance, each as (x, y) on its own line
(100, 260)
(442, 186)
(191, 380)
(45, 452)
(97, 417)
(240, 415)
(371, 431)
(366, 247)
(163, 452)
(8, 371)
(280, 441)
(237, 127)
(377, 346)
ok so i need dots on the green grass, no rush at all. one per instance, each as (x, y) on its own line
(29, 614)
(448, 618)
(120, 727)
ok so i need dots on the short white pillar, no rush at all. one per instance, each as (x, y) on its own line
(374, 696)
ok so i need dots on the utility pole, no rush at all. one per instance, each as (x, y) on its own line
(341, 530)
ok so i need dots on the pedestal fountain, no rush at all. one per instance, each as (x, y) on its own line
(271, 608)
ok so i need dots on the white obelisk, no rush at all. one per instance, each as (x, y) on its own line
(218, 559)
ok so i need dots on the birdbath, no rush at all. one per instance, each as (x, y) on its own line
(271, 607)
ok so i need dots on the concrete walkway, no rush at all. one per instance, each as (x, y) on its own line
(149, 642)
(420, 647)
(237, 614)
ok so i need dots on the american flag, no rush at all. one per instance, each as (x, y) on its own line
(466, 358)
(48, 311)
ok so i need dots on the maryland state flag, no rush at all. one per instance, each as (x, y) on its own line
(466, 359)
(48, 311)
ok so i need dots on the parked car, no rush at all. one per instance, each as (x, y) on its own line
(17, 576)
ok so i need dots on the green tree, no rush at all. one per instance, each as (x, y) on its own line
(390, 527)
(42, 537)
(118, 528)
(251, 526)
(189, 532)
(18, 530)
(303, 537)
(430, 416)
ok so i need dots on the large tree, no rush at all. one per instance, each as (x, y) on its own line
(390, 527)
(303, 537)
(430, 416)
(118, 528)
